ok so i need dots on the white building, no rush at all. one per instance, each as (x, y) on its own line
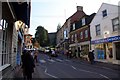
(105, 39)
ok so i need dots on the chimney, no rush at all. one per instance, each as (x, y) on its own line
(79, 8)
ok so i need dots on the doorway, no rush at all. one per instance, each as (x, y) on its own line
(117, 45)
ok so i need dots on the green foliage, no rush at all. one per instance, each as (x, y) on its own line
(41, 36)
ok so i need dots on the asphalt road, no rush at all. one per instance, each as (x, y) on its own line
(61, 67)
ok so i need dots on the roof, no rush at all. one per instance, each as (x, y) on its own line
(76, 16)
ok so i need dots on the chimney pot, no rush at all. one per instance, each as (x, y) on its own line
(79, 8)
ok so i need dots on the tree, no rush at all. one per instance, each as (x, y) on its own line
(59, 26)
(41, 36)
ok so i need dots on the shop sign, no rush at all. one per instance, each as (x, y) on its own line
(109, 39)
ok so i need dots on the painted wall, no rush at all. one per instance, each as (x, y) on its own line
(105, 22)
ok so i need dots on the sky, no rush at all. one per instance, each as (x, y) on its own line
(50, 13)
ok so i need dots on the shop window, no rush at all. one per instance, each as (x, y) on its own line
(3, 42)
(115, 24)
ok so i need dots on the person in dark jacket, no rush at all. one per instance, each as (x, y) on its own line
(91, 56)
(27, 65)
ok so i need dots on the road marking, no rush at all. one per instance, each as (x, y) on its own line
(42, 61)
(105, 76)
(73, 67)
(59, 60)
(67, 60)
(95, 73)
(49, 74)
(51, 60)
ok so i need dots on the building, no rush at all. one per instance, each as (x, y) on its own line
(14, 16)
(59, 39)
(105, 34)
(64, 40)
(28, 41)
(80, 35)
(72, 32)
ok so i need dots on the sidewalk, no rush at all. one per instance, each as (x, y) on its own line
(19, 75)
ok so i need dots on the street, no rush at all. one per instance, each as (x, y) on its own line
(61, 67)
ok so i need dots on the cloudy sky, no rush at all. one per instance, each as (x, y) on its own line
(49, 13)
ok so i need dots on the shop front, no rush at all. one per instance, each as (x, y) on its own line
(107, 49)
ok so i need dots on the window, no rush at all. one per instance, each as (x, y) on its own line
(115, 23)
(4, 46)
(74, 26)
(83, 21)
(97, 30)
(72, 38)
(75, 37)
(86, 33)
(104, 13)
(65, 34)
(81, 35)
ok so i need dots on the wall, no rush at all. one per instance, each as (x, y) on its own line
(105, 23)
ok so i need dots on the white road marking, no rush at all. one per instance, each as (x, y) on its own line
(42, 61)
(59, 60)
(105, 77)
(49, 74)
(73, 67)
(67, 60)
(51, 60)
(94, 73)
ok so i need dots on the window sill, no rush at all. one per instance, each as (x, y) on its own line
(4, 66)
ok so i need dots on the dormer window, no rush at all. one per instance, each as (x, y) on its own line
(104, 13)
(74, 26)
(83, 21)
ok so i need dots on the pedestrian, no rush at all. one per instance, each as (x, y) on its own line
(23, 62)
(70, 53)
(67, 53)
(79, 52)
(35, 56)
(27, 65)
(91, 56)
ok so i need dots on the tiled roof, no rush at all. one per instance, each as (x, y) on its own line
(77, 16)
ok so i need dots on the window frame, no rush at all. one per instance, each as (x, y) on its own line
(81, 35)
(113, 25)
(83, 21)
(86, 33)
(4, 43)
(98, 30)
(104, 13)
(73, 26)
